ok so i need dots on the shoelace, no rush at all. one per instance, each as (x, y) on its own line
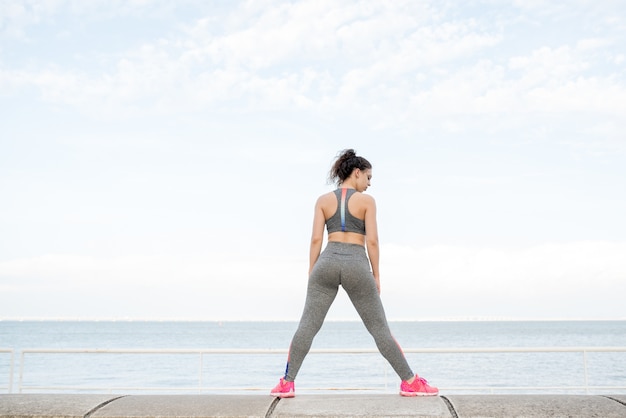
(420, 380)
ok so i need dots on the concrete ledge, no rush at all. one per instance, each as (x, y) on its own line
(187, 406)
(350, 405)
(361, 406)
(536, 406)
(16, 406)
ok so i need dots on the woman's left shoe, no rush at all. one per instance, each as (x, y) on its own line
(419, 387)
(284, 389)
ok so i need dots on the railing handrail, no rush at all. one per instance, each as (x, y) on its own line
(111, 389)
(263, 351)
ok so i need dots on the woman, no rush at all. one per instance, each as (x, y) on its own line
(347, 214)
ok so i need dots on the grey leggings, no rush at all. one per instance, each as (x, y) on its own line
(346, 265)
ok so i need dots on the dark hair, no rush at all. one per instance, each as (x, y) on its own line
(344, 165)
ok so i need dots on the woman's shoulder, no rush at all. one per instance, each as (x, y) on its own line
(326, 198)
(365, 198)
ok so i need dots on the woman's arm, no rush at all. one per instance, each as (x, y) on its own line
(371, 238)
(317, 236)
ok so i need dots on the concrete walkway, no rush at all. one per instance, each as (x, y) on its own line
(461, 406)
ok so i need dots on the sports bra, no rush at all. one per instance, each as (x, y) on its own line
(343, 220)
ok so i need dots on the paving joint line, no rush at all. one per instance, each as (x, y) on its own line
(616, 400)
(272, 407)
(450, 407)
(103, 404)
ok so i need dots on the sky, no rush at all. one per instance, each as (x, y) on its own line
(161, 159)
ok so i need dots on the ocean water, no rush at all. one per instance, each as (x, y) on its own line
(226, 373)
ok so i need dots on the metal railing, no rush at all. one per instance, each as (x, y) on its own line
(9, 386)
(201, 353)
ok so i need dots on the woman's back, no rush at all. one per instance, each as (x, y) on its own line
(356, 206)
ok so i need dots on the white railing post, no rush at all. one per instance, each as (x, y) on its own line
(10, 352)
(21, 371)
(200, 373)
(11, 369)
(386, 378)
(586, 374)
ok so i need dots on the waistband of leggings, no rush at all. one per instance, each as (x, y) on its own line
(345, 247)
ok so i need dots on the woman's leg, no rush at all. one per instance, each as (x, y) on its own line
(360, 285)
(321, 292)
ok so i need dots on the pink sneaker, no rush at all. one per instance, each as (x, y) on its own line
(284, 389)
(419, 387)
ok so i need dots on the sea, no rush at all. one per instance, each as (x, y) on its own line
(172, 363)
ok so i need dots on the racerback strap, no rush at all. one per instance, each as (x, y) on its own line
(344, 193)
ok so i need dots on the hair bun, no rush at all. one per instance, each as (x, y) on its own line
(346, 162)
(348, 153)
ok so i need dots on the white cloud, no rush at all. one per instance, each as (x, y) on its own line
(459, 103)
(590, 44)
(353, 58)
(215, 285)
(369, 42)
(547, 280)
(547, 65)
(440, 279)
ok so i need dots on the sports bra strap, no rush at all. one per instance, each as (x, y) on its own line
(344, 193)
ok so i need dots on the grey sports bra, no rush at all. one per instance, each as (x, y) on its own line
(343, 220)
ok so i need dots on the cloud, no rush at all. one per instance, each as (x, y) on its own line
(547, 280)
(415, 61)
(145, 126)
(216, 285)
(320, 49)
(18, 17)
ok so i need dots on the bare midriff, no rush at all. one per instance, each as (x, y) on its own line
(347, 237)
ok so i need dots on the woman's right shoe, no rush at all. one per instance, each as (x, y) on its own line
(284, 389)
(419, 387)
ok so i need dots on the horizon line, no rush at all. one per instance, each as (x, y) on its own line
(422, 319)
